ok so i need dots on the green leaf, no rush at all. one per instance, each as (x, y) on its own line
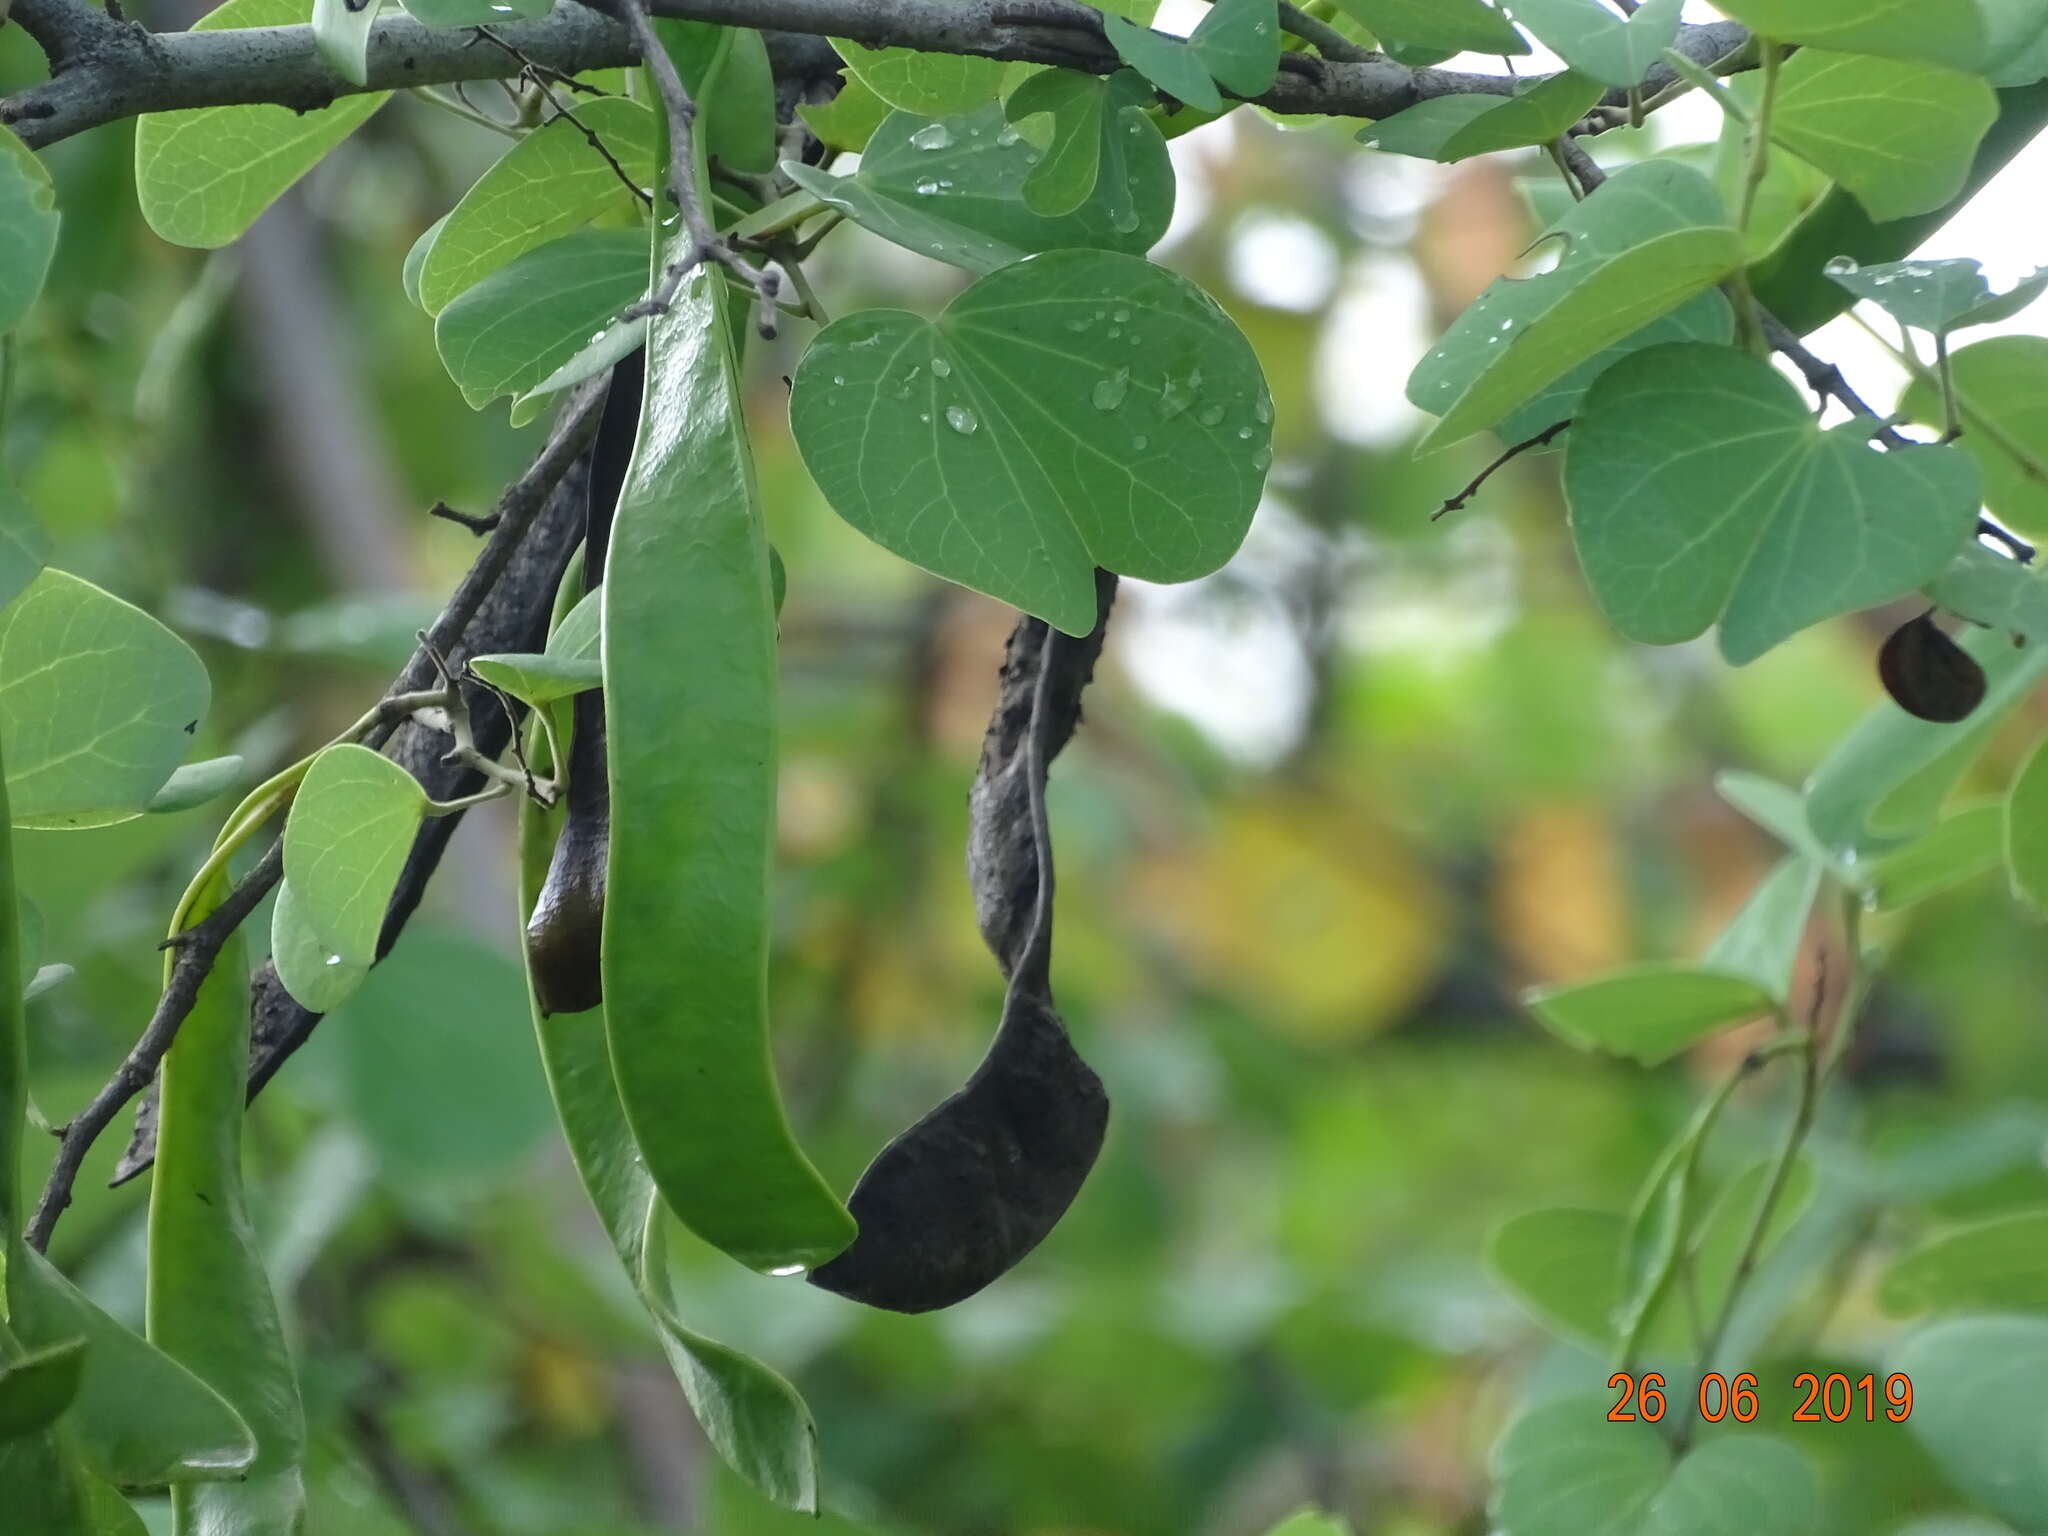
(1708, 318)
(1238, 42)
(2000, 1265)
(1454, 26)
(416, 258)
(38, 1386)
(97, 703)
(1450, 128)
(1956, 849)
(23, 544)
(513, 329)
(28, 228)
(203, 175)
(1075, 410)
(1762, 941)
(1900, 136)
(1724, 1231)
(2026, 830)
(1980, 1397)
(475, 13)
(1937, 296)
(1561, 1267)
(685, 946)
(1070, 164)
(141, 1420)
(1426, 129)
(849, 119)
(1781, 811)
(1168, 62)
(341, 31)
(1649, 239)
(1310, 1522)
(546, 185)
(1563, 1470)
(1945, 31)
(351, 826)
(1995, 591)
(1701, 489)
(1614, 50)
(193, 784)
(317, 978)
(539, 679)
(608, 346)
(929, 84)
(954, 190)
(1649, 1013)
(2002, 388)
(210, 1306)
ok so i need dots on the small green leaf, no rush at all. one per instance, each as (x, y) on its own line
(23, 544)
(1956, 849)
(1763, 941)
(1451, 128)
(416, 258)
(546, 185)
(929, 84)
(194, 784)
(1455, 26)
(341, 31)
(539, 679)
(1426, 129)
(931, 436)
(1937, 296)
(1614, 50)
(1946, 31)
(1900, 136)
(508, 333)
(1238, 42)
(1562, 1267)
(202, 176)
(351, 826)
(318, 979)
(1781, 811)
(1980, 1397)
(2000, 1265)
(954, 190)
(1070, 164)
(98, 701)
(2002, 387)
(1701, 489)
(610, 345)
(28, 228)
(1649, 1013)
(1648, 240)
(2026, 830)
(1168, 62)
(38, 1386)
(475, 13)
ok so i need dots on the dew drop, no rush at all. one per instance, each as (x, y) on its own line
(1209, 415)
(961, 420)
(1262, 459)
(332, 960)
(1244, 434)
(838, 378)
(1008, 135)
(1108, 393)
(1139, 442)
(1125, 218)
(1263, 409)
(932, 136)
(941, 369)
(1122, 316)
(783, 1271)
(927, 188)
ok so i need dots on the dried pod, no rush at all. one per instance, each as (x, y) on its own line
(1928, 674)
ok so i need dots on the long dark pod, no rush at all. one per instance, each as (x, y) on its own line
(962, 1196)
(565, 933)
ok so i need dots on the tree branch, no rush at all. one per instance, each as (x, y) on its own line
(123, 72)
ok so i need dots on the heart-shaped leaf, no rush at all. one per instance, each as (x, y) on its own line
(1562, 1266)
(1614, 50)
(345, 841)
(1701, 489)
(1074, 410)
(954, 190)
(1237, 45)
(1937, 296)
(1563, 1470)
(317, 978)
(1649, 239)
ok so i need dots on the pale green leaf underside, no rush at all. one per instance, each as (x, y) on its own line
(318, 979)
(350, 829)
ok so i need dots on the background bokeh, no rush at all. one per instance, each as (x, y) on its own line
(1332, 809)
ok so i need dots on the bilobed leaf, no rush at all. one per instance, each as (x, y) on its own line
(210, 1305)
(28, 228)
(1238, 42)
(1563, 1470)
(546, 185)
(97, 703)
(1649, 1013)
(193, 784)
(1455, 26)
(954, 190)
(929, 84)
(341, 31)
(1168, 62)
(1937, 296)
(37, 1386)
(1613, 49)
(1075, 410)
(2026, 830)
(351, 826)
(2000, 1265)
(1701, 489)
(318, 979)
(1901, 136)
(203, 175)
(1946, 31)
(2002, 388)
(1648, 240)
(513, 329)
(1562, 1266)
(1070, 160)
(475, 13)
(1956, 849)
(1980, 1397)
(1762, 941)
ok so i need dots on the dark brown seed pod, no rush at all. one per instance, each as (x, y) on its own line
(1928, 674)
(963, 1195)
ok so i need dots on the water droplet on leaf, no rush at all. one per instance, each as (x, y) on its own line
(1108, 393)
(932, 136)
(961, 420)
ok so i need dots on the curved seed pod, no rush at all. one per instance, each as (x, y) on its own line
(690, 685)
(565, 936)
(1928, 674)
(963, 1195)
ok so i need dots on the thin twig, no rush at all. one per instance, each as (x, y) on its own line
(478, 525)
(543, 79)
(1512, 451)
